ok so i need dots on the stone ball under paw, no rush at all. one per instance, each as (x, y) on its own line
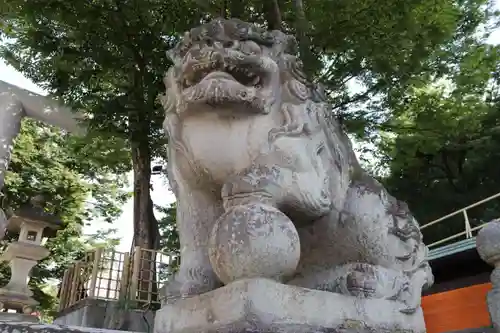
(254, 240)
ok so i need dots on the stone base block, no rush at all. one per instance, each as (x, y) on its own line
(16, 301)
(23, 327)
(99, 313)
(18, 317)
(261, 305)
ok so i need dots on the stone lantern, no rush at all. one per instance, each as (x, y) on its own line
(34, 225)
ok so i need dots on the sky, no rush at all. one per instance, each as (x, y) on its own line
(161, 194)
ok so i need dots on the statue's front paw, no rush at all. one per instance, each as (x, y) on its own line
(192, 288)
(368, 281)
(199, 282)
(178, 290)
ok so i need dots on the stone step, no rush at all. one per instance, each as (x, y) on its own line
(23, 327)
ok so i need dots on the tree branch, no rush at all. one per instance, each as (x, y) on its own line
(208, 7)
(359, 97)
(272, 14)
(237, 8)
(223, 10)
(449, 173)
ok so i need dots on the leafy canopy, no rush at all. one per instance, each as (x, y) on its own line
(442, 142)
(77, 188)
(107, 57)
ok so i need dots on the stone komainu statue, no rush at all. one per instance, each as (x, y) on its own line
(267, 182)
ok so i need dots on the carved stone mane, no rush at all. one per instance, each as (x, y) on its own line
(267, 181)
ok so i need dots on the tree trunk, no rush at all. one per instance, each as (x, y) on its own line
(146, 234)
(237, 9)
(272, 14)
(301, 28)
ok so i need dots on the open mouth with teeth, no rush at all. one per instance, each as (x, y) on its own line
(216, 69)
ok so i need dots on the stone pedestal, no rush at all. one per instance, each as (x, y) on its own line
(102, 314)
(488, 247)
(18, 317)
(31, 222)
(23, 327)
(262, 305)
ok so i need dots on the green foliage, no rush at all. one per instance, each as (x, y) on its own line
(79, 187)
(168, 229)
(108, 58)
(76, 187)
(444, 141)
(169, 240)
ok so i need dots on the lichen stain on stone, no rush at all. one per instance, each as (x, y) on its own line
(353, 324)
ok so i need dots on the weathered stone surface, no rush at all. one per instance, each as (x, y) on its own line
(261, 305)
(98, 313)
(24, 254)
(493, 300)
(34, 211)
(254, 240)
(3, 224)
(18, 317)
(488, 247)
(22, 327)
(246, 128)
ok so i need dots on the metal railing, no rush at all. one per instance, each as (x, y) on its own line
(468, 229)
(112, 275)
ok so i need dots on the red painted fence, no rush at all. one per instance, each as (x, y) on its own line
(457, 309)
